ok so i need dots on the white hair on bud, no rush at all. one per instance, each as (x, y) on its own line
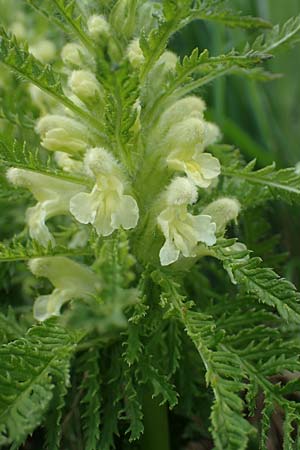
(44, 50)
(189, 132)
(98, 26)
(168, 59)
(85, 85)
(135, 53)
(18, 177)
(223, 211)
(72, 54)
(99, 160)
(181, 191)
(212, 133)
(182, 109)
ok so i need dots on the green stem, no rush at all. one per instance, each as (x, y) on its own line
(156, 427)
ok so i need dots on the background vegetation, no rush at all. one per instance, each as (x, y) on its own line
(260, 118)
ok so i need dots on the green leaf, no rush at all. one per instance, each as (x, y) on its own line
(18, 251)
(53, 418)
(229, 428)
(262, 282)
(218, 12)
(223, 373)
(205, 69)
(177, 14)
(279, 37)
(163, 389)
(9, 328)
(88, 365)
(282, 184)
(30, 368)
(154, 43)
(133, 408)
(16, 154)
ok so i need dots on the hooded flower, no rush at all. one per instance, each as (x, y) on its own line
(106, 207)
(53, 196)
(201, 168)
(70, 279)
(181, 229)
(61, 133)
(187, 141)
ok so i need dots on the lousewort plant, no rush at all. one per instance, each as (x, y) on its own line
(137, 318)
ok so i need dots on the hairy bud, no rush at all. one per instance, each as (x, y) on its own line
(223, 211)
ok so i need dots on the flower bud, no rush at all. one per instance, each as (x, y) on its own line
(157, 76)
(167, 61)
(186, 134)
(98, 27)
(42, 100)
(182, 109)
(44, 51)
(18, 30)
(99, 161)
(84, 84)
(222, 211)
(212, 134)
(135, 54)
(73, 54)
(181, 191)
(61, 133)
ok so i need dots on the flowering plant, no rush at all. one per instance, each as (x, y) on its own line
(130, 210)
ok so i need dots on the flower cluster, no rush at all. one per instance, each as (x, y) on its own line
(106, 194)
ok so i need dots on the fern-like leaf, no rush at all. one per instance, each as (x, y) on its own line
(271, 183)
(91, 401)
(279, 37)
(29, 368)
(54, 416)
(223, 372)
(17, 251)
(263, 283)
(133, 408)
(177, 14)
(205, 69)
(15, 154)
(9, 328)
(216, 11)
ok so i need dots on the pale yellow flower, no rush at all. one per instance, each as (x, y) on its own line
(106, 207)
(70, 279)
(182, 230)
(53, 196)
